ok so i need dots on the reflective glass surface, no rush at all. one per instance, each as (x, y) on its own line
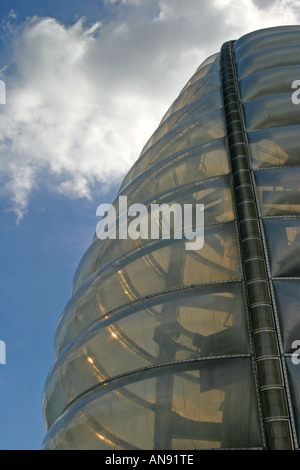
(182, 406)
(181, 325)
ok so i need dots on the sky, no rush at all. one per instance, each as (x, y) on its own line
(87, 83)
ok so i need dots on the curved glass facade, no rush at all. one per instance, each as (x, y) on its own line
(160, 347)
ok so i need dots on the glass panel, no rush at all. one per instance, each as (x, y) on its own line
(279, 191)
(208, 103)
(203, 71)
(203, 130)
(209, 66)
(194, 92)
(260, 33)
(184, 406)
(212, 59)
(287, 294)
(269, 82)
(268, 59)
(277, 37)
(283, 239)
(294, 379)
(214, 193)
(201, 161)
(194, 165)
(271, 111)
(161, 265)
(205, 321)
(275, 147)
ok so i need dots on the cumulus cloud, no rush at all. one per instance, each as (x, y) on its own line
(83, 100)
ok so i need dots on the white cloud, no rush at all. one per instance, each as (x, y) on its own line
(83, 101)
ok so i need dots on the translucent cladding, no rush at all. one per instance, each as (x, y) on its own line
(212, 59)
(279, 191)
(278, 146)
(196, 98)
(188, 405)
(294, 379)
(283, 237)
(201, 130)
(287, 292)
(271, 111)
(267, 59)
(202, 321)
(195, 165)
(261, 33)
(268, 82)
(207, 71)
(198, 89)
(270, 38)
(204, 69)
(269, 50)
(203, 88)
(266, 87)
(150, 270)
(213, 192)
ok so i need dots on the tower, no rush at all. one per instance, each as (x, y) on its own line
(161, 347)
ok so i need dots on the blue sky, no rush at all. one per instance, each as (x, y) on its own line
(87, 84)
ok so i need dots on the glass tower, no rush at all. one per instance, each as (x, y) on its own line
(160, 347)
